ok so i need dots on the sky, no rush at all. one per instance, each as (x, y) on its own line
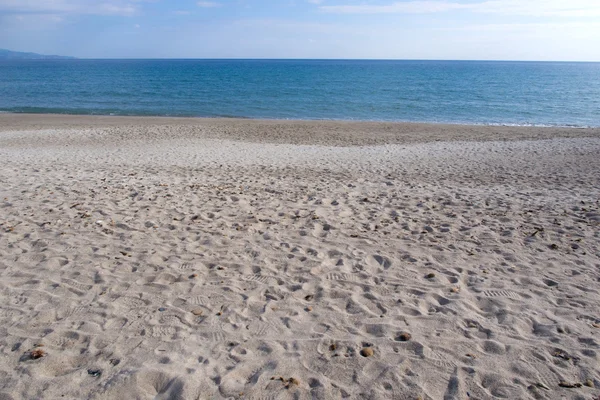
(549, 30)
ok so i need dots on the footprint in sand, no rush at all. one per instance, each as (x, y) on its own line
(377, 262)
(501, 293)
(264, 279)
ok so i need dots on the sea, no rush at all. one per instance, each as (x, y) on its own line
(462, 92)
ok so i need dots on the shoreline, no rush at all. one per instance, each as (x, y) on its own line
(341, 120)
(319, 132)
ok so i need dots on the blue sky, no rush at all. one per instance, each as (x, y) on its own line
(417, 29)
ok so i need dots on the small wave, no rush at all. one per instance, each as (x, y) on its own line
(148, 113)
(533, 125)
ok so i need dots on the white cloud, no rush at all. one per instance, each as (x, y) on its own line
(413, 7)
(540, 28)
(29, 22)
(557, 8)
(90, 7)
(208, 4)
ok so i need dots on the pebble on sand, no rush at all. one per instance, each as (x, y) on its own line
(287, 382)
(293, 381)
(561, 354)
(569, 385)
(37, 353)
(403, 337)
(367, 352)
(430, 275)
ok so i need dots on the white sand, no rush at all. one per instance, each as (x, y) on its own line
(194, 259)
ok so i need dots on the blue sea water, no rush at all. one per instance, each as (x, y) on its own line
(474, 92)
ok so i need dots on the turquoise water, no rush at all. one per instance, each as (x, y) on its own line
(520, 93)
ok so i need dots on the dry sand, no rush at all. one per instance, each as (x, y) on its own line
(156, 258)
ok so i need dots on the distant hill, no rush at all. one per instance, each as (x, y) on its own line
(17, 55)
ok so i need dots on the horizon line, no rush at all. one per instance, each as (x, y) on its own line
(72, 58)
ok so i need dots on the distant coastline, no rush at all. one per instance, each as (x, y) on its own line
(19, 55)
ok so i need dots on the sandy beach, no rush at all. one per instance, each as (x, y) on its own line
(162, 258)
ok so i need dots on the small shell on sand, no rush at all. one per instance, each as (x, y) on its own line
(197, 312)
(367, 352)
(540, 385)
(309, 308)
(94, 372)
